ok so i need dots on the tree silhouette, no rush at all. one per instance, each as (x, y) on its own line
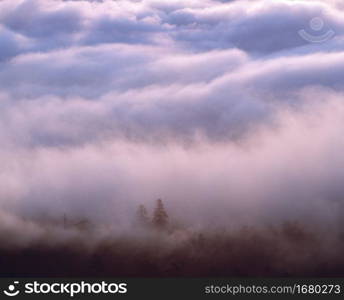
(160, 216)
(142, 216)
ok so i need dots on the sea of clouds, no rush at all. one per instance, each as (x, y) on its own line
(220, 108)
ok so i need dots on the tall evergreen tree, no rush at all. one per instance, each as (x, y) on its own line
(160, 216)
(142, 216)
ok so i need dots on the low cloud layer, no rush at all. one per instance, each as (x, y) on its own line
(220, 108)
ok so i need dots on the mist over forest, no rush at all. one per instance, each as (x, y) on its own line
(219, 108)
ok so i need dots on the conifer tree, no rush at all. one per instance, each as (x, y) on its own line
(160, 216)
(142, 216)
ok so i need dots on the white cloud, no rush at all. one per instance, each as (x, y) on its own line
(96, 94)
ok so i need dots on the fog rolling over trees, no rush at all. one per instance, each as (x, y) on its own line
(161, 246)
(221, 108)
